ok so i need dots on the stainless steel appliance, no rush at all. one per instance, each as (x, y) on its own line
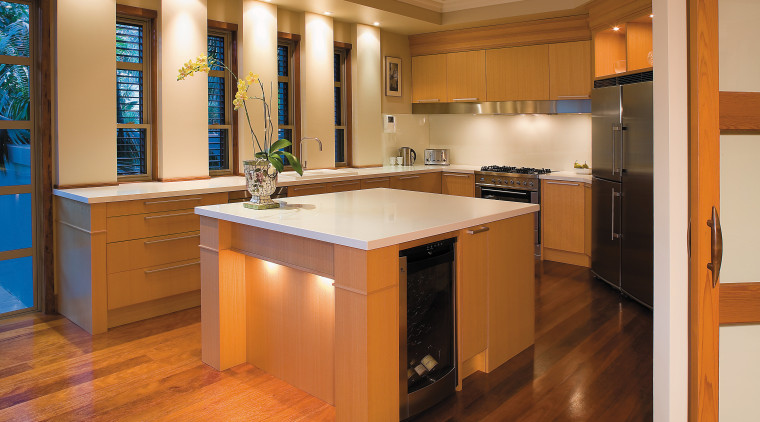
(408, 155)
(515, 184)
(427, 326)
(622, 199)
(438, 157)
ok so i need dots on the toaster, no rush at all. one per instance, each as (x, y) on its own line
(438, 157)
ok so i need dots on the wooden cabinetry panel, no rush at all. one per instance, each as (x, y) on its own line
(128, 227)
(425, 182)
(570, 70)
(466, 76)
(142, 285)
(144, 206)
(142, 253)
(609, 48)
(518, 73)
(378, 182)
(563, 206)
(429, 79)
(302, 190)
(472, 291)
(459, 184)
(639, 44)
(344, 186)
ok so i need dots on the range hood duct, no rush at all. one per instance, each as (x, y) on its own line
(579, 106)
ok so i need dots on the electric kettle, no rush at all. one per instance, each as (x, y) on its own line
(408, 156)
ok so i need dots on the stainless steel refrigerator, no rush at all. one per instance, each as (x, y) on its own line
(622, 199)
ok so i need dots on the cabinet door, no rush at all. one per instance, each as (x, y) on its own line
(466, 76)
(427, 182)
(377, 182)
(344, 186)
(429, 79)
(570, 70)
(518, 73)
(473, 291)
(458, 184)
(563, 207)
(302, 190)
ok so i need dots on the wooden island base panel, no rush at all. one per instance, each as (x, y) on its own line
(325, 317)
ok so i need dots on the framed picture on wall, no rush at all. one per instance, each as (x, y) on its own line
(392, 76)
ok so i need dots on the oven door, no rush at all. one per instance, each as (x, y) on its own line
(506, 194)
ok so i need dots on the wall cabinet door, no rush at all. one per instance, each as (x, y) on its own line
(302, 190)
(570, 70)
(473, 290)
(426, 182)
(563, 207)
(344, 186)
(458, 184)
(518, 73)
(429, 79)
(466, 76)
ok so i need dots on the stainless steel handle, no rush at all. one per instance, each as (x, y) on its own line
(573, 97)
(308, 187)
(622, 150)
(172, 200)
(346, 184)
(562, 184)
(614, 235)
(431, 100)
(172, 268)
(153, 242)
(464, 99)
(408, 177)
(376, 180)
(456, 175)
(479, 230)
(615, 129)
(716, 246)
(151, 217)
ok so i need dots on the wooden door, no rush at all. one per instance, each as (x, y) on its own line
(563, 216)
(570, 70)
(704, 196)
(473, 295)
(518, 73)
(429, 79)
(466, 76)
(458, 184)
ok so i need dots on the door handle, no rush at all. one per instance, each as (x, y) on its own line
(479, 230)
(615, 129)
(716, 246)
(622, 149)
(614, 235)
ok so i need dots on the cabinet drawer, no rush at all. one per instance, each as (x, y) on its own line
(302, 190)
(128, 227)
(344, 186)
(425, 182)
(459, 184)
(377, 182)
(143, 253)
(143, 206)
(137, 286)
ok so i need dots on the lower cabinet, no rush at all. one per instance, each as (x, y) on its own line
(376, 182)
(565, 222)
(421, 182)
(312, 189)
(344, 186)
(473, 296)
(459, 184)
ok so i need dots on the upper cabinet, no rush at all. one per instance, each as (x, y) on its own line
(466, 76)
(624, 47)
(570, 70)
(518, 73)
(429, 79)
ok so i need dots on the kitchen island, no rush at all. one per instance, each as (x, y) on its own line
(310, 292)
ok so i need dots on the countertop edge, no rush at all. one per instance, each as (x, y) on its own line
(568, 177)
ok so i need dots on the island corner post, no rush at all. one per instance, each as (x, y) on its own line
(322, 317)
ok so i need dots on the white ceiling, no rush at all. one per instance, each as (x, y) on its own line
(444, 6)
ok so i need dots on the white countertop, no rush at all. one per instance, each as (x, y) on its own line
(568, 176)
(146, 190)
(370, 219)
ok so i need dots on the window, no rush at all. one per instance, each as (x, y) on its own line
(133, 100)
(341, 72)
(287, 92)
(220, 113)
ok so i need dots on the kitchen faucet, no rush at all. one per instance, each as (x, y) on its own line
(300, 148)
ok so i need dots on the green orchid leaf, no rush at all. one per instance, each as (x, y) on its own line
(262, 155)
(293, 162)
(277, 163)
(282, 143)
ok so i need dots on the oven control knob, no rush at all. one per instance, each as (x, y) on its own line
(493, 181)
(525, 183)
(530, 184)
(511, 182)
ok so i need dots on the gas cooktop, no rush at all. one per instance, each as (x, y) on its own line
(515, 170)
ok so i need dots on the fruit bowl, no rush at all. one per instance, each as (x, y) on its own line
(582, 171)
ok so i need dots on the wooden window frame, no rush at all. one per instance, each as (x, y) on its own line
(344, 49)
(146, 18)
(229, 32)
(293, 41)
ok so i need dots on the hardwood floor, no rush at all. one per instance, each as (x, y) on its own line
(592, 362)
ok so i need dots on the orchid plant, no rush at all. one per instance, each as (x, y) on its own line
(270, 150)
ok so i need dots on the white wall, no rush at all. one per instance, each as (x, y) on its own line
(367, 86)
(739, 202)
(671, 290)
(412, 130)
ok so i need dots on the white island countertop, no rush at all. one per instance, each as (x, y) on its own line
(371, 219)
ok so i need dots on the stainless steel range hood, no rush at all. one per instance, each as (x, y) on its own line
(574, 106)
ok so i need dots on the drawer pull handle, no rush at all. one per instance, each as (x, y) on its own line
(308, 187)
(480, 230)
(151, 217)
(456, 175)
(431, 100)
(408, 177)
(465, 99)
(172, 200)
(152, 242)
(172, 268)
(345, 184)
(562, 184)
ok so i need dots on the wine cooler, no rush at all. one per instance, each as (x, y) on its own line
(427, 340)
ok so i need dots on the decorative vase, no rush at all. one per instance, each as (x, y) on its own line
(261, 179)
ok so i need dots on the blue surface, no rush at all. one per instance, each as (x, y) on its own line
(15, 222)
(16, 277)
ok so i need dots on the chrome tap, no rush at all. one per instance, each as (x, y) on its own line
(300, 148)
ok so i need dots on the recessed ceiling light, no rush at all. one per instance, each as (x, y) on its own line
(616, 28)
(651, 16)
(328, 13)
(376, 24)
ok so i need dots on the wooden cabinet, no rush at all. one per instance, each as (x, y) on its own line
(638, 43)
(429, 79)
(466, 76)
(518, 73)
(570, 70)
(376, 182)
(473, 295)
(459, 184)
(312, 189)
(565, 228)
(624, 50)
(423, 182)
(344, 186)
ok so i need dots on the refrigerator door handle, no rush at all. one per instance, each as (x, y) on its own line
(614, 235)
(615, 129)
(622, 149)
